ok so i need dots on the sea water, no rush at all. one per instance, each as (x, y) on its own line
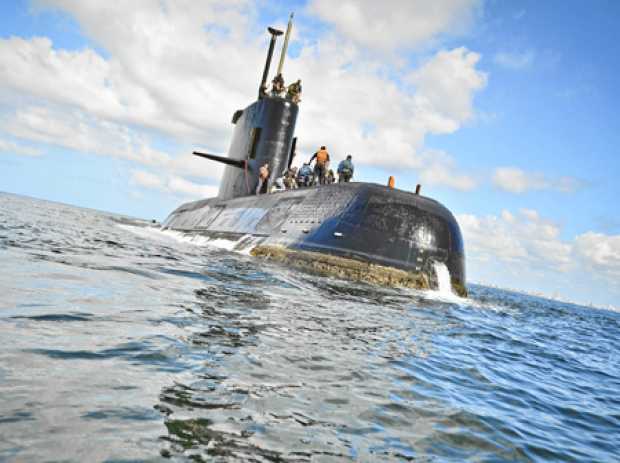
(119, 342)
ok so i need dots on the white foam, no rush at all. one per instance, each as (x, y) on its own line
(155, 233)
(220, 243)
(149, 232)
(246, 243)
(443, 278)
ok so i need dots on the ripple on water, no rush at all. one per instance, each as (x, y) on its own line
(154, 347)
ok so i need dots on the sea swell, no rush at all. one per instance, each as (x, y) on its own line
(118, 343)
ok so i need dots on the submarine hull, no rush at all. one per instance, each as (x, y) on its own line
(353, 222)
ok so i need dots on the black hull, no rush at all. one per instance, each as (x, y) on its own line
(361, 221)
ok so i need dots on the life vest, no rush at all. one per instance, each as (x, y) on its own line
(321, 157)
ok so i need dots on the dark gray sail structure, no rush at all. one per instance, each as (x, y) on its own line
(263, 135)
(351, 230)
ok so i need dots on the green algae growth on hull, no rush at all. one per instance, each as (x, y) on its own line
(342, 267)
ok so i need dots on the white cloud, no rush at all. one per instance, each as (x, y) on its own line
(14, 148)
(445, 86)
(81, 131)
(147, 179)
(173, 184)
(438, 168)
(525, 239)
(87, 134)
(34, 68)
(515, 180)
(180, 185)
(527, 243)
(182, 72)
(525, 251)
(188, 164)
(383, 124)
(566, 184)
(166, 70)
(515, 60)
(399, 24)
(600, 253)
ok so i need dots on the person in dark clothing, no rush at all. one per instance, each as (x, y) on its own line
(290, 179)
(293, 92)
(345, 170)
(330, 177)
(277, 87)
(321, 165)
(304, 175)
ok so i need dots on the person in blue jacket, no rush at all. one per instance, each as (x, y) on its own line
(345, 170)
(304, 175)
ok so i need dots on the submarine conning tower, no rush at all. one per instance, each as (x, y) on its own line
(263, 134)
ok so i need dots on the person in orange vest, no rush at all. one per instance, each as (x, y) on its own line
(320, 167)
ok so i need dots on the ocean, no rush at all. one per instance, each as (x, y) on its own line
(120, 342)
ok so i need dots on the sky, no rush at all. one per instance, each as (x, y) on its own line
(505, 112)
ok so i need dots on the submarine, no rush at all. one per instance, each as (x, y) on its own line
(356, 230)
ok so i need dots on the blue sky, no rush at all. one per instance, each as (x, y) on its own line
(506, 112)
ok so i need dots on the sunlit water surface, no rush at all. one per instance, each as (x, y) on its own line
(123, 343)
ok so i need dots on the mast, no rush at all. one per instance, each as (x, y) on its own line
(285, 45)
(263, 85)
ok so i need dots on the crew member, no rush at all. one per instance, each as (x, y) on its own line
(321, 164)
(263, 175)
(331, 178)
(304, 175)
(290, 179)
(277, 87)
(293, 91)
(278, 185)
(345, 170)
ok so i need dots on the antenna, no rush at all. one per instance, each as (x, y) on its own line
(285, 45)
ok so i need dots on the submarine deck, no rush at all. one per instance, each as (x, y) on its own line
(362, 221)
